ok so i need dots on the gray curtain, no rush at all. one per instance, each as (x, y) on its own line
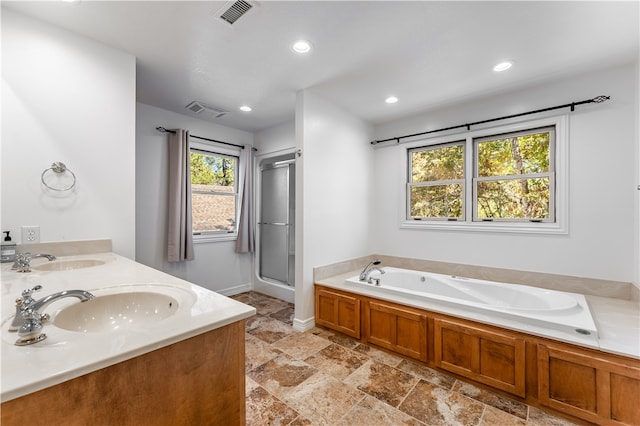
(180, 235)
(245, 241)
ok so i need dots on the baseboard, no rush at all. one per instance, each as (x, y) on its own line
(304, 325)
(235, 290)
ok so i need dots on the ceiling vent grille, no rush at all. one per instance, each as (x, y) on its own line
(234, 11)
(199, 107)
(195, 107)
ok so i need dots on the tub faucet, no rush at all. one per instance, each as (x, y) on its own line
(22, 263)
(29, 317)
(371, 266)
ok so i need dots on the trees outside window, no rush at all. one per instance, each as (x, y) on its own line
(514, 176)
(436, 187)
(511, 179)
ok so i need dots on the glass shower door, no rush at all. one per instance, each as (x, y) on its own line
(275, 223)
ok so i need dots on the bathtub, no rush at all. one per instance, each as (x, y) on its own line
(556, 310)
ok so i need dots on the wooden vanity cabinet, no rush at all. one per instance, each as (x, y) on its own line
(494, 358)
(200, 380)
(397, 328)
(338, 311)
(588, 385)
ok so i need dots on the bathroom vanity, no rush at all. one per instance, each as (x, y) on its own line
(185, 366)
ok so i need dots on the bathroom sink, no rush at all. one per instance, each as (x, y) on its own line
(116, 311)
(66, 265)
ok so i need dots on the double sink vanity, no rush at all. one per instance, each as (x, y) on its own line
(145, 348)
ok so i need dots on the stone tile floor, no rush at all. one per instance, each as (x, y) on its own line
(324, 378)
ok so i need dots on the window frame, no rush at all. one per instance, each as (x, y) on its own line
(560, 180)
(217, 150)
(411, 185)
(550, 174)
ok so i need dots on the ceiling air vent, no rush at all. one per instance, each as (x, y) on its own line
(195, 107)
(198, 107)
(234, 10)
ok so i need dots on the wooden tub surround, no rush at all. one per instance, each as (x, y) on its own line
(567, 379)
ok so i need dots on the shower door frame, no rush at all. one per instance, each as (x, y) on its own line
(269, 286)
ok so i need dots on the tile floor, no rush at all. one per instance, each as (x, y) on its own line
(324, 378)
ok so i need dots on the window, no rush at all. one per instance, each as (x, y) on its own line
(436, 187)
(214, 193)
(512, 178)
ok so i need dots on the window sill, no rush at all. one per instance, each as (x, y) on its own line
(214, 238)
(496, 227)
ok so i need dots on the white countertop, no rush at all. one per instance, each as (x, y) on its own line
(65, 355)
(617, 320)
(618, 323)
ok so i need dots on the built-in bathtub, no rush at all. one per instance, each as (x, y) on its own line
(557, 310)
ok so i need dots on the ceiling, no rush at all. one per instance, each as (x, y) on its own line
(427, 53)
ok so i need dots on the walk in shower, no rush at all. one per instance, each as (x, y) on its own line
(276, 216)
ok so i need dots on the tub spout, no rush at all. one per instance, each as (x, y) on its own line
(372, 280)
(371, 266)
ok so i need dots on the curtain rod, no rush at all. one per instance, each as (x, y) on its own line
(163, 130)
(572, 105)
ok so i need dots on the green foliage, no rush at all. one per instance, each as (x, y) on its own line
(516, 155)
(212, 169)
(444, 163)
(513, 196)
(515, 199)
(436, 201)
(432, 165)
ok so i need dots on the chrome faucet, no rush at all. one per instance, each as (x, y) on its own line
(22, 263)
(371, 266)
(29, 319)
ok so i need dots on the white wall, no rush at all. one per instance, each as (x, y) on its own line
(281, 137)
(67, 98)
(335, 191)
(216, 266)
(636, 251)
(603, 177)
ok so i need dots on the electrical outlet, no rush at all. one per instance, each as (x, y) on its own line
(30, 234)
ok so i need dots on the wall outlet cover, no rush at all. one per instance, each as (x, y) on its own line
(30, 234)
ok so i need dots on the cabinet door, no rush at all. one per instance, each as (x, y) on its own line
(338, 312)
(496, 359)
(594, 389)
(397, 328)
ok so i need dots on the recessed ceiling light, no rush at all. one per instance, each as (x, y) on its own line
(245, 108)
(301, 46)
(502, 66)
(391, 100)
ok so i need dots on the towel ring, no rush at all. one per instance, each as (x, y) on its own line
(58, 167)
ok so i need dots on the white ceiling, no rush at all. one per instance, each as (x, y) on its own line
(427, 53)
